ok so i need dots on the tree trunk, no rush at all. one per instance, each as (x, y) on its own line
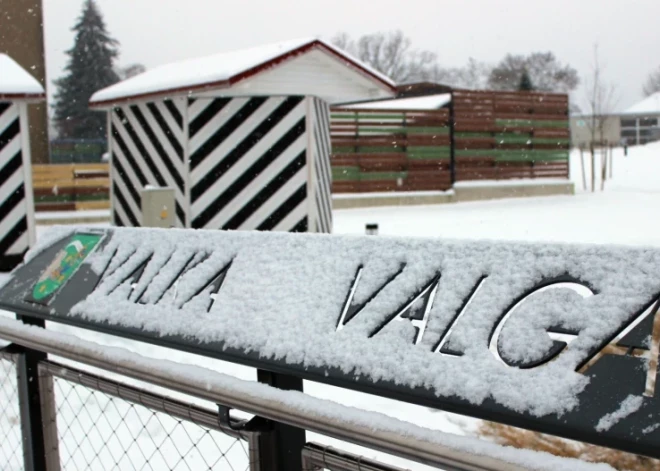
(593, 168)
(584, 172)
(603, 167)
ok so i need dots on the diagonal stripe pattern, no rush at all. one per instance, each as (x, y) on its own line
(147, 148)
(248, 163)
(322, 173)
(13, 209)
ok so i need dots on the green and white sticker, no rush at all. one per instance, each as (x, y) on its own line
(64, 265)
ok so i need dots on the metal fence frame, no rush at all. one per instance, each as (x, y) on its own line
(11, 359)
(276, 435)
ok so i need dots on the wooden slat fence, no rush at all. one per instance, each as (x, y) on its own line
(496, 136)
(505, 135)
(390, 150)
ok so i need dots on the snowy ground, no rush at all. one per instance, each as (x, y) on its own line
(625, 213)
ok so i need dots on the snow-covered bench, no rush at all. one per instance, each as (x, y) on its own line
(562, 339)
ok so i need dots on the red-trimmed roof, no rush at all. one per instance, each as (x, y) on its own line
(225, 70)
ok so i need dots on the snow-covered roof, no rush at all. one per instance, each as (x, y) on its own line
(648, 106)
(225, 70)
(16, 83)
(429, 102)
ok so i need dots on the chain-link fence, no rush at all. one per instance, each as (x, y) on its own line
(91, 422)
(317, 457)
(94, 423)
(105, 425)
(11, 451)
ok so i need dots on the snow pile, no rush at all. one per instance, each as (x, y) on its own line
(429, 102)
(629, 406)
(14, 80)
(283, 294)
(220, 385)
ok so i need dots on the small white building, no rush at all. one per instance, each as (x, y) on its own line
(242, 137)
(17, 228)
(641, 122)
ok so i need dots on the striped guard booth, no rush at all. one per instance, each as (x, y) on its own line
(247, 149)
(17, 228)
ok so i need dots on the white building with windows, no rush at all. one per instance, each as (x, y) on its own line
(641, 122)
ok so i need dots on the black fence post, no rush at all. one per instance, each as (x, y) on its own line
(284, 450)
(452, 142)
(32, 431)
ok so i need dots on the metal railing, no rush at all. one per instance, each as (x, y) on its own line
(89, 421)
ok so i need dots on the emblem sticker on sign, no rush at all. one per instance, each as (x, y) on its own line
(64, 265)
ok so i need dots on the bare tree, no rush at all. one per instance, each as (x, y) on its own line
(652, 84)
(600, 99)
(545, 71)
(390, 53)
(473, 76)
(130, 71)
(600, 102)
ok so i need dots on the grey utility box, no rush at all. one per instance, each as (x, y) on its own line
(158, 207)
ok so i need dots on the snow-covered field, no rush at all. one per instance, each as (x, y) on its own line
(625, 213)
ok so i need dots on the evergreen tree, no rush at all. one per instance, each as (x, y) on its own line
(525, 84)
(90, 68)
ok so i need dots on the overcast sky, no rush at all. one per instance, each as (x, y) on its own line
(154, 32)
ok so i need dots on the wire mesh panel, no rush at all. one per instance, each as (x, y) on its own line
(130, 429)
(317, 457)
(11, 446)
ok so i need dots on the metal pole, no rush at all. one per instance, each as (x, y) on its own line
(49, 417)
(452, 141)
(29, 399)
(259, 403)
(286, 441)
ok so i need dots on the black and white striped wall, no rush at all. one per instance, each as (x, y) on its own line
(321, 150)
(147, 148)
(17, 228)
(239, 163)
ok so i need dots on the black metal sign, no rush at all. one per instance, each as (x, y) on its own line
(556, 338)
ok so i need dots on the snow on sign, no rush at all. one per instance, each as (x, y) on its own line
(562, 339)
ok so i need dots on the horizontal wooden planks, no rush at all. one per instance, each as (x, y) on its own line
(66, 187)
(390, 150)
(503, 135)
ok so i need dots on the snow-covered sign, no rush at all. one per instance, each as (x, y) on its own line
(563, 339)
